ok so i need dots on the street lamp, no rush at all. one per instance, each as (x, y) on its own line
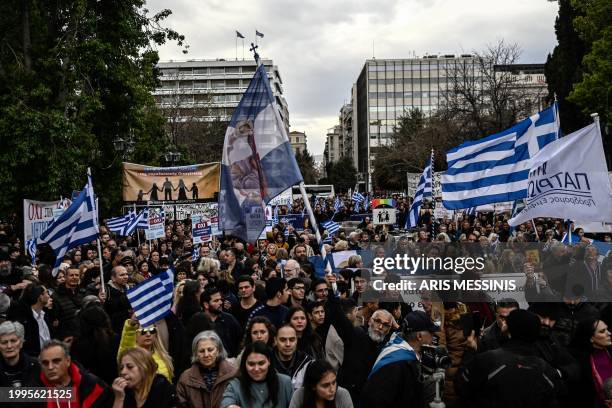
(172, 157)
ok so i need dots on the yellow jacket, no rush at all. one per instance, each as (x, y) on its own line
(128, 339)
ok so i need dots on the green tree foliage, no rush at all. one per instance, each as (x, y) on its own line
(203, 141)
(564, 66)
(306, 164)
(594, 26)
(74, 76)
(341, 174)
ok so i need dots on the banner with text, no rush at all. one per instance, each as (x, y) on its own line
(38, 215)
(170, 184)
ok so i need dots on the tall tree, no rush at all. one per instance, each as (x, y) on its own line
(594, 26)
(306, 164)
(75, 76)
(564, 66)
(341, 174)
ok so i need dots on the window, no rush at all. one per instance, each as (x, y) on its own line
(217, 70)
(200, 71)
(200, 84)
(218, 84)
(232, 70)
(186, 85)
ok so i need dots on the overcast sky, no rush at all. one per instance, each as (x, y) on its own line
(320, 46)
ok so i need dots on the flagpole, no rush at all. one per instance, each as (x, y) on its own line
(102, 287)
(236, 47)
(137, 234)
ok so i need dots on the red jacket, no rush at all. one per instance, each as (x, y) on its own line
(88, 390)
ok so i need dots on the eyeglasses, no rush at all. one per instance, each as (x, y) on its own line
(379, 322)
(299, 288)
(148, 330)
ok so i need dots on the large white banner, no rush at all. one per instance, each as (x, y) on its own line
(38, 215)
(569, 180)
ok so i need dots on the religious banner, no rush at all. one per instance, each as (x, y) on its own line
(181, 184)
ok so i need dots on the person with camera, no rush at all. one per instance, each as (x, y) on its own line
(512, 375)
(395, 377)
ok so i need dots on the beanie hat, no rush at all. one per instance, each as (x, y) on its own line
(523, 325)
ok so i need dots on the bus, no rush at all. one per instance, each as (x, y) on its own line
(314, 189)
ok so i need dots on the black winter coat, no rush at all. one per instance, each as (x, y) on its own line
(510, 376)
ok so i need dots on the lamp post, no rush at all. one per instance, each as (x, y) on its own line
(172, 157)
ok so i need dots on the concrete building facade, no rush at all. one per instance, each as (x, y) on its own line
(204, 90)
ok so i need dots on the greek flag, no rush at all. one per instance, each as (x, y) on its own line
(470, 211)
(356, 207)
(496, 168)
(126, 225)
(152, 299)
(76, 226)
(366, 204)
(331, 226)
(423, 190)
(396, 349)
(358, 197)
(239, 35)
(143, 219)
(258, 34)
(118, 224)
(31, 248)
(258, 162)
(275, 215)
(338, 204)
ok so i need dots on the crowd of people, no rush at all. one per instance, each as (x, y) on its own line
(261, 326)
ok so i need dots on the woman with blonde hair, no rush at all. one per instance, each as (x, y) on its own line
(139, 384)
(147, 338)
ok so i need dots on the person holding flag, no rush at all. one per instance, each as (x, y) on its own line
(423, 190)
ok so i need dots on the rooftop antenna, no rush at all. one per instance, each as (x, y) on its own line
(373, 57)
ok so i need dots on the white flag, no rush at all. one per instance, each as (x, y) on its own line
(569, 180)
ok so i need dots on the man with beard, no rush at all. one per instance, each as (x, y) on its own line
(117, 304)
(550, 350)
(361, 349)
(9, 276)
(226, 325)
(497, 333)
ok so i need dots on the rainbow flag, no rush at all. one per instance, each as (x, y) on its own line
(383, 201)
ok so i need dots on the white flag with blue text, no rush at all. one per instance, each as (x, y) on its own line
(569, 180)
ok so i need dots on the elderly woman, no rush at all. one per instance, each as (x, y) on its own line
(17, 369)
(203, 384)
(139, 384)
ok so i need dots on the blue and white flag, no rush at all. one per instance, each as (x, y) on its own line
(496, 168)
(275, 215)
(143, 219)
(338, 204)
(31, 248)
(356, 207)
(470, 212)
(118, 224)
(358, 197)
(396, 349)
(258, 162)
(152, 299)
(422, 190)
(366, 204)
(258, 34)
(76, 226)
(331, 226)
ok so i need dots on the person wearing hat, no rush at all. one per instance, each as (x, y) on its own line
(512, 375)
(395, 378)
(549, 349)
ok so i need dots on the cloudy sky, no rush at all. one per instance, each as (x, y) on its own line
(320, 46)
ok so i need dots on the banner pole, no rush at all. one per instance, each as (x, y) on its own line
(137, 234)
(102, 287)
(313, 222)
